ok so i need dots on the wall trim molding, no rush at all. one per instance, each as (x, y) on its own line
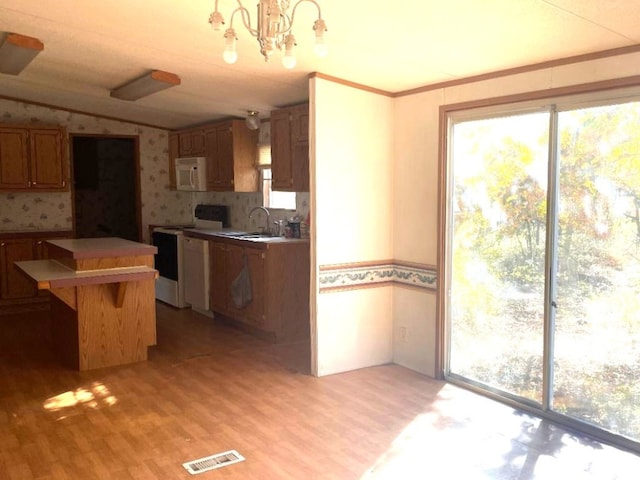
(349, 83)
(350, 276)
(559, 62)
(585, 57)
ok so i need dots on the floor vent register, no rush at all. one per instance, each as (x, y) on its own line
(218, 460)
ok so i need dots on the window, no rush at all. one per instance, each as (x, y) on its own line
(271, 199)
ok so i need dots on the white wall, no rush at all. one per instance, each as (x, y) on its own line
(415, 202)
(351, 213)
(415, 211)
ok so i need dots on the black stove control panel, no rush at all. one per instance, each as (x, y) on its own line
(216, 213)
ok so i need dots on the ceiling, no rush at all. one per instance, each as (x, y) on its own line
(91, 47)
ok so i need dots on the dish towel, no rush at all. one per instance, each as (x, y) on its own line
(241, 287)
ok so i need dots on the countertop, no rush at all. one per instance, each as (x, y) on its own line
(106, 247)
(51, 274)
(224, 235)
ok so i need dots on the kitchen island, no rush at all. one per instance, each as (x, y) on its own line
(102, 299)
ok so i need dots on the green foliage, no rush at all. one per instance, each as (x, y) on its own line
(499, 259)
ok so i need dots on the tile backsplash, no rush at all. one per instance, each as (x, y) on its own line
(240, 205)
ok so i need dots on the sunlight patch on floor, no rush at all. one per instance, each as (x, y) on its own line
(461, 437)
(94, 396)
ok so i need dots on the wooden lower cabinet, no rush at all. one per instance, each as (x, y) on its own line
(279, 274)
(219, 287)
(13, 283)
(254, 313)
(15, 287)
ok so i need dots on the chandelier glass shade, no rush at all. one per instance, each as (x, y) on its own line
(273, 30)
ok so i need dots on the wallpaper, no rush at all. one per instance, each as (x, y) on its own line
(23, 211)
(53, 211)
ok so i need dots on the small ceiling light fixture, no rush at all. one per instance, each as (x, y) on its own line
(273, 30)
(152, 82)
(252, 120)
(17, 51)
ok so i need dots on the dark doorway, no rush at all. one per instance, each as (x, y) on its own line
(106, 186)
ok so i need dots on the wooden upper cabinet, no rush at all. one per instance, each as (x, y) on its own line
(33, 159)
(215, 153)
(231, 150)
(225, 159)
(48, 170)
(290, 149)
(300, 124)
(191, 143)
(281, 173)
(174, 152)
(14, 158)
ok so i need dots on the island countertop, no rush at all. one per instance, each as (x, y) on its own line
(106, 247)
(102, 299)
(51, 274)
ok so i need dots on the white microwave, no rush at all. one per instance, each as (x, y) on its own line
(191, 174)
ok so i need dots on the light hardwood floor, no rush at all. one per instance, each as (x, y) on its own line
(207, 388)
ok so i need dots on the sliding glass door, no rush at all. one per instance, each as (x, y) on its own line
(498, 234)
(597, 321)
(543, 260)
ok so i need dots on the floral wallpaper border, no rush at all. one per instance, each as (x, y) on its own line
(361, 276)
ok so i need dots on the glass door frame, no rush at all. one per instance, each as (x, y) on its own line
(499, 107)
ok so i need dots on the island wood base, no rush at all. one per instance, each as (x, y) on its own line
(103, 310)
(99, 333)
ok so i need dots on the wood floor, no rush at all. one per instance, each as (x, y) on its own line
(208, 388)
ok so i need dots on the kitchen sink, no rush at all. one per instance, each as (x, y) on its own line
(247, 235)
(255, 235)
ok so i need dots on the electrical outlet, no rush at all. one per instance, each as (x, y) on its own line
(404, 333)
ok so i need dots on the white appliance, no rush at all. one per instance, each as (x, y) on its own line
(196, 256)
(183, 266)
(170, 265)
(191, 174)
(196, 280)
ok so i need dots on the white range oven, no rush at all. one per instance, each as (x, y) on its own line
(169, 261)
(177, 282)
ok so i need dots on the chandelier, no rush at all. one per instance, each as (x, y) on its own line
(273, 31)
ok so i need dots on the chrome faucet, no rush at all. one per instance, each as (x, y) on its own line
(266, 218)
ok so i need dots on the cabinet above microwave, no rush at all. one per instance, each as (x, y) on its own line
(230, 152)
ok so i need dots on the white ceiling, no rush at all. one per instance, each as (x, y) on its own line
(93, 46)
